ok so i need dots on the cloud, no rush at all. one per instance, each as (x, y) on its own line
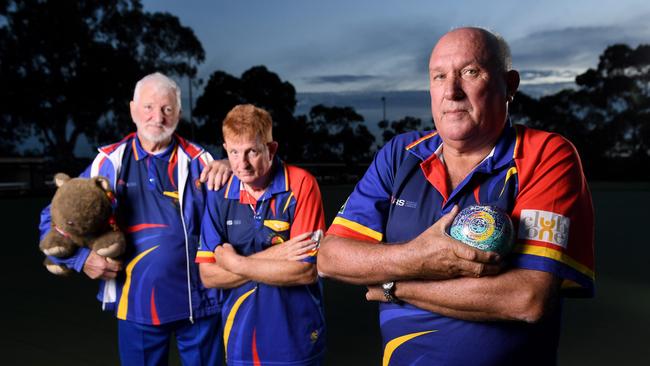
(363, 46)
(339, 79)
(537, 90)
(396, 54)
(574, 48)
(529, 76)
(364, 56)
(534, 74)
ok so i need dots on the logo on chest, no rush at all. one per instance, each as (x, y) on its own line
(233, 222)
(400, 202)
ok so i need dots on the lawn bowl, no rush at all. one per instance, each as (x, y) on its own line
(484, 227)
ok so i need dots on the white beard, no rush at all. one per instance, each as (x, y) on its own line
(163, 136)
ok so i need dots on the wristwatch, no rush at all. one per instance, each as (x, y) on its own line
(389, 292)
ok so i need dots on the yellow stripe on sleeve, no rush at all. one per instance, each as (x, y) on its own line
(204, 256)
(358, 228)
(555, 255)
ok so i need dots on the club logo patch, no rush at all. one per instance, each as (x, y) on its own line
(545, 226)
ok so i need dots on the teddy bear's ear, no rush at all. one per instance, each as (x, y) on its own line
(103, 183)
(61, 178)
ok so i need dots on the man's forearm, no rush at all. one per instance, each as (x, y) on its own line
(359, 262)
(431, 255)
(233, 270)
(214, 276)
(275, 272)
(518, 294)
(76, 261)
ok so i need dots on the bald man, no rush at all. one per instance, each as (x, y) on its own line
(443, 302)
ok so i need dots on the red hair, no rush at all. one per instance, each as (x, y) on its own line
(248, 121)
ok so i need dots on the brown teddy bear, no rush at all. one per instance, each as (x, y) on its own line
(82, 216)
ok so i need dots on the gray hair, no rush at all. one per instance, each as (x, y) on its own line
(161, 81)
(503, 54)
(503, 51)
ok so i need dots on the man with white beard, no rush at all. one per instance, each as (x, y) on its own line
(157, 179)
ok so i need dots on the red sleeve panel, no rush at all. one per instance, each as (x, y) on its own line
(553, 212)
(309, 214)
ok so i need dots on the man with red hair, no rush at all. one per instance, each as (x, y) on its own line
(260, 236)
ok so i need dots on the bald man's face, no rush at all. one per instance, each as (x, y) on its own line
(468, 91)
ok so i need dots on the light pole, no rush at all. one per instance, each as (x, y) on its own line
(191, 107)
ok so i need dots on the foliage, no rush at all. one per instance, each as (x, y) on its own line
(392, 129)
(607, 117)
(329, 134)
(337, 134)
(68, 67)
(257, 86)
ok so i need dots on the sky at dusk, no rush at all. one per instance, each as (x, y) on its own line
(378, 45)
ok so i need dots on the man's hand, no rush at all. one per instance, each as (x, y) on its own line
(443, 257)
(216, 174)
(295, 249)
(98, 267)
(226, 257)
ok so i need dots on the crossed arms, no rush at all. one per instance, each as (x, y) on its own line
(442, 275)
(278, 265)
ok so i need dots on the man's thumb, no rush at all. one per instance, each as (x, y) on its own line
(447, 219)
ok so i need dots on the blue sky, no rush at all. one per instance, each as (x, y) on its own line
(343, 46)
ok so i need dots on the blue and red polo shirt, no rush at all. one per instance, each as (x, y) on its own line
(160, 201)
(266, 324)
(534, 176)
(152, 224)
